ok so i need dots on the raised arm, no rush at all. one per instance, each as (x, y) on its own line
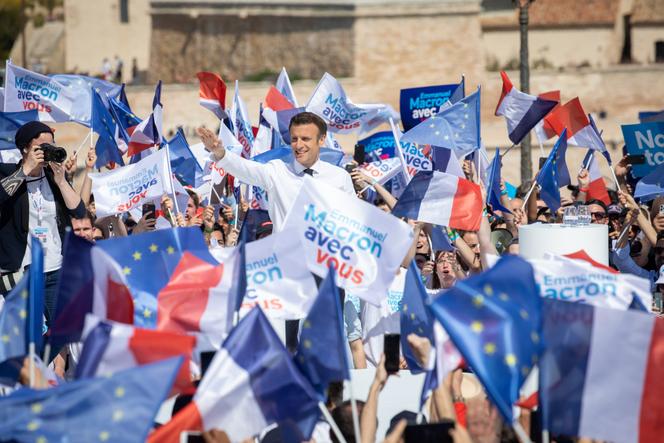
(247, 171)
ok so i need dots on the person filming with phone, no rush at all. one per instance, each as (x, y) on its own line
(36, 200)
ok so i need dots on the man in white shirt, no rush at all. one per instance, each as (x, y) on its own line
(282, 181)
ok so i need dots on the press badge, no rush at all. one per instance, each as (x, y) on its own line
(41, 232)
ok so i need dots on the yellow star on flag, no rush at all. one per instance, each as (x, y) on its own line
(104, 435)
(33, 425)
(306, 324)
(510, 359)
(24, 294)
(119, 392)
(137, 256)
(36, 408)
(478, 301)
(147, 313)
(22, 313)
(42, 439)
(5, 338)
(534, 336)
(477, 327)
(524, 314)
(504, 297)
(405, 307)
(489, 348)
(170, 250)
(488, 290)
(307, 344)
(118, 415)
(154, 248)
(126, 270)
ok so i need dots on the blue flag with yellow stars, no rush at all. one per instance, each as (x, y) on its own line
(494, 319)
(9, 124)
(416, 316)
(183, 163)
(554, 174)
(321, 352)
(103, 124)
(148, 260)
(120, 408)
(13, 331)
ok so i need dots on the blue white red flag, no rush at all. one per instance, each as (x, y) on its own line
(212, 93)
(241, 124)
(149, 132)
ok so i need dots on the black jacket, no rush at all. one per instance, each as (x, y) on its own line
(14, 218)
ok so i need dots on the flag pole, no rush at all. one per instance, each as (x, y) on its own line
(545, 436)
(331, 422)
(170, 175)
(75, 153)
(525, 200)
(615, 179)
(353, 406)
(47, 353)
(520, 432)
(508, 150)
(31, 363)
(541, 147)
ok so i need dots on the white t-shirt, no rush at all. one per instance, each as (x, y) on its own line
(43, 223)
(383, 319)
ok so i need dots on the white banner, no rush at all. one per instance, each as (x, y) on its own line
(383, 170)
(573, 280)
(128, 187)
(276, 279)
(342, 116)
(362, 243)
(26, 90)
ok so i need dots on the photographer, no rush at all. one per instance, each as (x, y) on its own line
(35, 199)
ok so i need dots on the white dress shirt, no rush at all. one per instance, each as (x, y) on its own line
(282, 181)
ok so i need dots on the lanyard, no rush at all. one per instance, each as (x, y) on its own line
(38, 203)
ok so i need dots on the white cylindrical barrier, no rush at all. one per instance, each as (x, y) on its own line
(537, 239)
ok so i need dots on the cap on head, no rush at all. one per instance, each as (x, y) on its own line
(30, 131)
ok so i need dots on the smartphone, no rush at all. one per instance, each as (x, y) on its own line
(359, 155)
(149, 211)
(191, 437)
(661, 209)
(391, 346)
(429, 433)
(542, 160)
(636, 159)
(350, 167)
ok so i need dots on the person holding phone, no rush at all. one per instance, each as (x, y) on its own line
(35, 200)
(282, 181)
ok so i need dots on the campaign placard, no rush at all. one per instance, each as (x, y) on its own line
(418, 104)
(379, 145)
(645, 139)
(364, 245)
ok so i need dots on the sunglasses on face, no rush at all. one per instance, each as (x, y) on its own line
(598, 215)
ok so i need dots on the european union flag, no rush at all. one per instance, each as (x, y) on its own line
(321, 352)
(440, 240)
(148, 260)
(124, 117)
(13, 331)
(103, 124)
(460, 92)
(239, 289)
(120, 408)
(416, 317)
(456, 127)
(122, 96)
(554, 173)
(183, 163)
(10, 122)
(74, 292)
(494, 319)
(493, 185)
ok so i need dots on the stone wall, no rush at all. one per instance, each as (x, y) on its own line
(238, 47)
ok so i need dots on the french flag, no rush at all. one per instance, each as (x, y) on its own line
(274, 102)
(252, 382)
(580, 131)
(197, 299)
(110, 347)
(600, 374)
(543, 129)
(597, 189)
(521, 111)
(442, 199)
(212, 93)
(148, 133)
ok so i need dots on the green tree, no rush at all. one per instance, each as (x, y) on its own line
(10, 25)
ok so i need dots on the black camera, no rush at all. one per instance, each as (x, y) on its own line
(53, 153)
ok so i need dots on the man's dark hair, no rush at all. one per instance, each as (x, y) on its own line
(343, 417)
(89, 216)
(597, 202)
(194, 197)
(305, 118)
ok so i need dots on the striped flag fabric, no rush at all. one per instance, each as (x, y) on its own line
(597, 189)
(149, 131)
(239, 393)
(580, 132)
(521, 111)
(543, 129)
(600, 373)
(212, 93)
(110, 347)
(442, 199)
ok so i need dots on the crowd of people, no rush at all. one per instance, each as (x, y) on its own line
(37, 198)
